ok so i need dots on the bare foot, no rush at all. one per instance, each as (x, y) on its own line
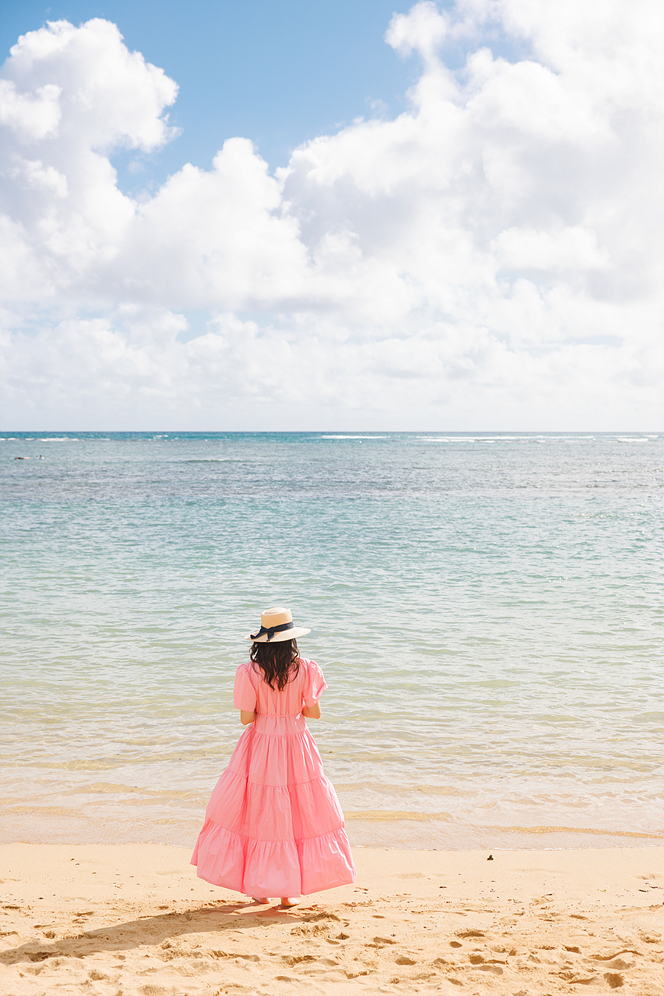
(263, 901)
(287, 903)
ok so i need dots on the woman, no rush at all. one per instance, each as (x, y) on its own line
(273, 825)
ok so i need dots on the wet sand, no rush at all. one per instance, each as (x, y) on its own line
(133, 920)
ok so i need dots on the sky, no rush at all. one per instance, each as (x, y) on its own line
(325, 214)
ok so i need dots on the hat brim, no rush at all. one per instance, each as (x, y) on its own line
(289, 634)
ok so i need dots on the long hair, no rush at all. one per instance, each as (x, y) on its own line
(279, 662)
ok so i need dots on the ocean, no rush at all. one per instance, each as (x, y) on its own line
(487, 609)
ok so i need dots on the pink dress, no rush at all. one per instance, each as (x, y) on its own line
(273, 826)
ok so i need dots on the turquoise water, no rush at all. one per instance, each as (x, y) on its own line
(487, 610)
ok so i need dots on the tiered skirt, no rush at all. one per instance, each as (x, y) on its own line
(273, 826)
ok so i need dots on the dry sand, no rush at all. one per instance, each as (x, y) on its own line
(135, 921)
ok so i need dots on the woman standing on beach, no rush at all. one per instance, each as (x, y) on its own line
(273, 825)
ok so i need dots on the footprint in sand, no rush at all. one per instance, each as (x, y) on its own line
(379, 942)
(620, 963)
(611, 960)
(297, 959)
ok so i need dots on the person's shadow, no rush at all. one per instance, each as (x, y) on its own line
(162, 930)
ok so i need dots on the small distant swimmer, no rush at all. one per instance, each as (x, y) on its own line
(21, 458)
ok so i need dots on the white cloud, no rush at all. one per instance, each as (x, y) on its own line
(30, 116)
(488, 258)
(33, 174)
(422, 30)
(572, 248)
(108, 96)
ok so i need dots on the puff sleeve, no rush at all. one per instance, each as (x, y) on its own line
(314, 685)
(244, 693)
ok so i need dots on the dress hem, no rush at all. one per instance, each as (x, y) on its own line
(273, 868)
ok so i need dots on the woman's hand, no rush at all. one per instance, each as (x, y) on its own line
(247, 717)
(312, 712)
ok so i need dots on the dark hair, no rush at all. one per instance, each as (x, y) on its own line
(279, 662)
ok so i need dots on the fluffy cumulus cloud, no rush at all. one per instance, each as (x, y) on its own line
(491, 258)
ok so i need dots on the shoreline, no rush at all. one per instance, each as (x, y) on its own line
(379, 829)
(109, 918)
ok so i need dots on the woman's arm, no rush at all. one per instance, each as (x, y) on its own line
(312, 712)
(247, 717)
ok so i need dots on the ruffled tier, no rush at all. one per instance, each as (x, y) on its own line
(277, 751)
(273, 867)
(274, 812)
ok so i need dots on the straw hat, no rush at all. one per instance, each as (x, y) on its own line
(277, 626)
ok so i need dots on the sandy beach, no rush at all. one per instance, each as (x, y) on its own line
(133, 920)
